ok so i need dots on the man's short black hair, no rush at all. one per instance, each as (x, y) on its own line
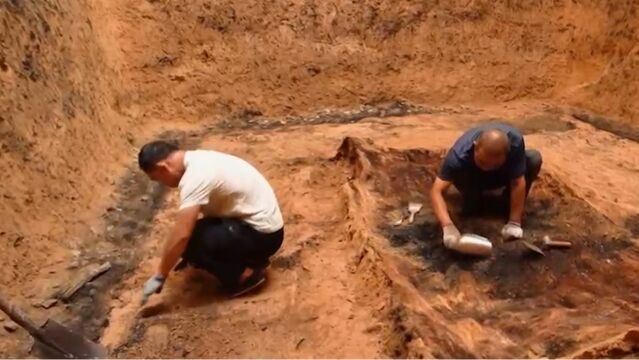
(154, 152)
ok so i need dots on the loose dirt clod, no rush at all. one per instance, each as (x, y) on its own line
(299, 343)
(10, 326)
(49, 303)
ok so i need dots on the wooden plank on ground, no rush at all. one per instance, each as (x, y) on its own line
(85, 275)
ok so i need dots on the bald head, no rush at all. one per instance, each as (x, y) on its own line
(494, 142)
(491, 149)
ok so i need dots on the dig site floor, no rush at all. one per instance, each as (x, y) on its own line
(347, 284)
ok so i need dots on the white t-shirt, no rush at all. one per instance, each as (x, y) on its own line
(229, 187)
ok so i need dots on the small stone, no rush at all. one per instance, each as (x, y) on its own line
(10, 326)
(92, 292)
(130, 138)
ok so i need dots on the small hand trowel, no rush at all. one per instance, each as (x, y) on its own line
(532, 247)
(413, 209)
(546, 243)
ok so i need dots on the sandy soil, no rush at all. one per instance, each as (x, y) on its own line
(348, 285)
(84, 83)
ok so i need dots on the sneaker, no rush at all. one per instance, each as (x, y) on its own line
(251, 283)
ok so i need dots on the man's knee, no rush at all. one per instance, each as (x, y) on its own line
(533, 163)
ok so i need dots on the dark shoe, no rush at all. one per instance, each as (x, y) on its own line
(251, 283)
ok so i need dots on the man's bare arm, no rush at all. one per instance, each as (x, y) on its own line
(517, 199)
(179, 239)
(438, 202)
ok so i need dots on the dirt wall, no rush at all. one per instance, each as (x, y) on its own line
(61, 146)
(195, 59)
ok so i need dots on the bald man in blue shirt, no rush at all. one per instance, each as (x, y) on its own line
(484, 158)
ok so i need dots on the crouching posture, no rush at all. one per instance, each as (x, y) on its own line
(229, 222)
(486, 158)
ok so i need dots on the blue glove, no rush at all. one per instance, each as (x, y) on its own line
(152, 286)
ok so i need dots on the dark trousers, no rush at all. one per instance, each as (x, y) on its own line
(226, 247)
(472, 188)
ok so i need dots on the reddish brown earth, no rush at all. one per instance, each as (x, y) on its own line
(84, 83)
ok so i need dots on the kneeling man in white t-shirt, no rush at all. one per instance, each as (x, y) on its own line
(241, 224)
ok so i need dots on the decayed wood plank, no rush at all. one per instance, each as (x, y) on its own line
(86, 275)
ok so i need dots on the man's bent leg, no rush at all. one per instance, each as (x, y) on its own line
(226, 247)
(212, 247)
(533, 167)
(260, 246)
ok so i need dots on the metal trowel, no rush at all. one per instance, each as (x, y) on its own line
(413, 209)
(532, 247)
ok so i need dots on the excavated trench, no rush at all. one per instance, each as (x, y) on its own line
(434, 303)
(87, 82)
(516, 303)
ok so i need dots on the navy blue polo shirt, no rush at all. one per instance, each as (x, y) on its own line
(460, 162)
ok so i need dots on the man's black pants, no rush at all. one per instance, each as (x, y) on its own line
(226, 247)
(471, 188)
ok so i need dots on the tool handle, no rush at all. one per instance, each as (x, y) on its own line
(411, 218)
(19, 317)
(555, 243)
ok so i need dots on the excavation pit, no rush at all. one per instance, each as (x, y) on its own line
(530, 301)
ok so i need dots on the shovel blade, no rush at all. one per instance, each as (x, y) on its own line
(532, 247)
(61, 342)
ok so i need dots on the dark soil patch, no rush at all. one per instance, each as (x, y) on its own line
(536, 123)
(254, 119)
(613, 126)
(400, 177)
(632, 224)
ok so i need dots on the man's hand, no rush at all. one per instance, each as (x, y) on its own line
(152, 286)
(512, 230)
(451, 235)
